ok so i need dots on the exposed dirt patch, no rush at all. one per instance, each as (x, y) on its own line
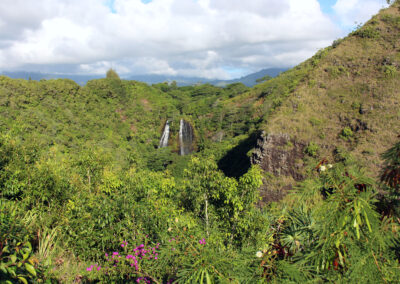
(146, 104)
(121, 114)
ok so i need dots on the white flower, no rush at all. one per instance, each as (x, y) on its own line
(322, 169)
(259, 254)
(176, 220)
(330, 166)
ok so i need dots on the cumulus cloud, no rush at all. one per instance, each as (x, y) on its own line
(18, 16)
(357, 11)
(204, 38)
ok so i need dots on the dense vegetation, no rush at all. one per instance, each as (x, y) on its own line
(87, 196)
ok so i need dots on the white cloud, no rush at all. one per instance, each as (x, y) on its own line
(357, 11)
(101, 67)
(185, 37)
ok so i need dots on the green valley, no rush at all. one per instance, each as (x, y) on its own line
(294, 180)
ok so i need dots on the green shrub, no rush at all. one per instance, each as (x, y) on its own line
(315, 121)
(391, 20)
(337, 42)
(336, 71)
(356, 106)
(390, 71)
(263, 79)
(17, 264)
(312, 149)
(318, 56)
(367, 32)
(346, 133)
(235, 89)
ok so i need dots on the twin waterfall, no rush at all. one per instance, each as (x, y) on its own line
(165, 136)
(186, 137)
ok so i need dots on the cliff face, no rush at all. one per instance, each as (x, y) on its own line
(281, 156)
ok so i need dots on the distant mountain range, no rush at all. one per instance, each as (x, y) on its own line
(249, 80)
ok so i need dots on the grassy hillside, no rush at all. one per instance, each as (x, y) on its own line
(347, 96)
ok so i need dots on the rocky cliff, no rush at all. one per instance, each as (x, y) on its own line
(280, 156)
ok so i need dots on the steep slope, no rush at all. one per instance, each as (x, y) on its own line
(344, 99)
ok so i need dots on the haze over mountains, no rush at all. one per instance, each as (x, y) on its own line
(248, 80)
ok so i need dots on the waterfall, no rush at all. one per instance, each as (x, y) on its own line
(165, 136)
(186, 138)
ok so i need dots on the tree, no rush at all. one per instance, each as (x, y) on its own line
(112, 74)
(208, 190)
(263, 79)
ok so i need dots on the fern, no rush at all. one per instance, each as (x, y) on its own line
(337, 233)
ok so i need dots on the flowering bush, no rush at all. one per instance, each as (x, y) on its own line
(181, 257)
(129, 263)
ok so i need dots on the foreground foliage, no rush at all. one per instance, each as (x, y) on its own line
(205, 227)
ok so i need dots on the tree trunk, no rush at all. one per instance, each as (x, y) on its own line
(206, 213)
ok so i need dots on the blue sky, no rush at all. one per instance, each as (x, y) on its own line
(347, 14)
(202, 38)
(327, 5)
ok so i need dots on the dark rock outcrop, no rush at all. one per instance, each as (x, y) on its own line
(279, 155)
